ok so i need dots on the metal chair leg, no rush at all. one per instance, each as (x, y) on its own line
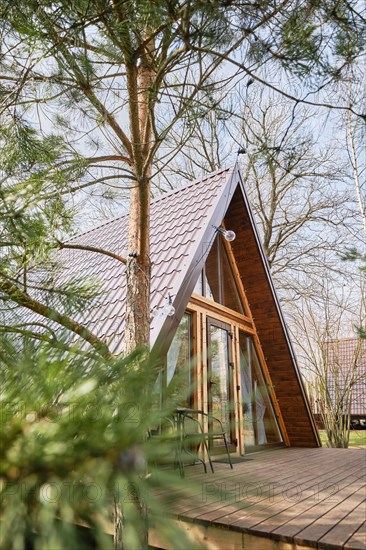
(205, 444)
(227, 450)
(178, 459)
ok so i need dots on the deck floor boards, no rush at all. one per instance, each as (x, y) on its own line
(345, 529)
(289, 492)
(358, 539)
(303, 497)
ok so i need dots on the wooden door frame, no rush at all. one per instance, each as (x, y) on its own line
(205, 309)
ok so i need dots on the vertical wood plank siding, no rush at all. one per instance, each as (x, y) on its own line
(267, 320)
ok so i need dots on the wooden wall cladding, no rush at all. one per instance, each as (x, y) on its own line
(282, 369)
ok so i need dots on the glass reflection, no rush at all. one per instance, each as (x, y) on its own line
(260, 424)
(230, 293)
(218, 279)
(212, 286)
(178, 372)
(219, 386)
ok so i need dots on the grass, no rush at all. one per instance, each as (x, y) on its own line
(357, 438)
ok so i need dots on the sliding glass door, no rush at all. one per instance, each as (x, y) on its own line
(220, 378)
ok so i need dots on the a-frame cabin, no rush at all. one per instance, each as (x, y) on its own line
(227, 339)
(227, 315)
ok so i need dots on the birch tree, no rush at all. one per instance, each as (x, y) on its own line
(355, 145)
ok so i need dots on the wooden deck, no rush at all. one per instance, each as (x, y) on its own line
(285, 498)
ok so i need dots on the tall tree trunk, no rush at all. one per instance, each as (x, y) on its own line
(356, 170)
(138, 270)
(138, 266)
(140, 81)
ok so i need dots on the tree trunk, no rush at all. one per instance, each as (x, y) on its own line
(138, 266)
(118, 523)
(138, 271)
(140, 81)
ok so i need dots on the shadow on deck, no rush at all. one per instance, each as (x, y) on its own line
(285, 499)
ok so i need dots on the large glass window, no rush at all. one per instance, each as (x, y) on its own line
(212, 274)
(217, 280)
(178, 371)
(260, 425)
(198, 288)
(220, 376)
(230, 293)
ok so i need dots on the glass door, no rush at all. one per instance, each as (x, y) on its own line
(260, 424)
(220, 376)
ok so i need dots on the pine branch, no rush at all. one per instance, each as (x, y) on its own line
(93, 249)
(23, 299)
(53, 341)
(84, 84)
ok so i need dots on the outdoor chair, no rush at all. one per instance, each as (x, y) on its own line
(168, 437)
(192, 438)
(216, 432)
(195, 436)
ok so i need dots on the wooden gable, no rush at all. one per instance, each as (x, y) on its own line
(269, 323)
(232, 209)
(265, 319)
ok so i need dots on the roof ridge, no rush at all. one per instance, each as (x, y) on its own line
(154, 201)
(192, 183)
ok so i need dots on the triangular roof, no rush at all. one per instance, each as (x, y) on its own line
(183, 226)
(181, 221)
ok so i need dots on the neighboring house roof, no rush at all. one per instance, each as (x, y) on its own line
(346, 364)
